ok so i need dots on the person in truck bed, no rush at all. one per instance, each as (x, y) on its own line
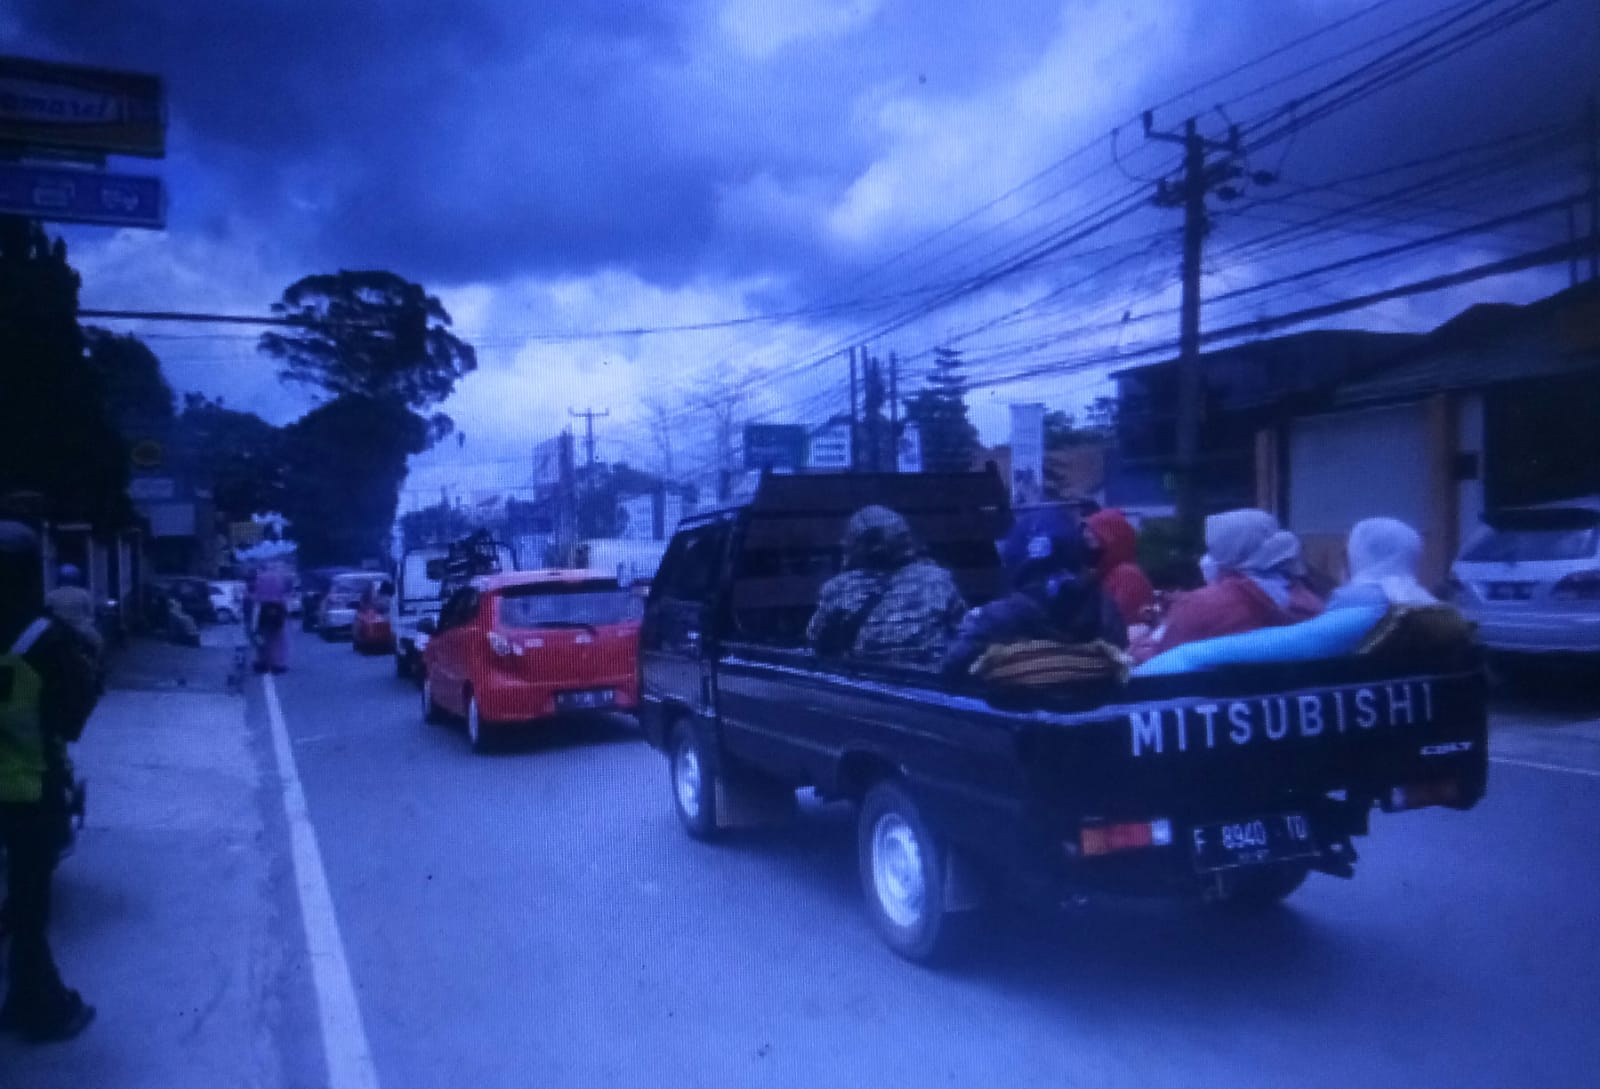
(1384, 555)
(1057, 625)
(1382, 611)
(1253, 580)
(1120, 575)
(891, 603)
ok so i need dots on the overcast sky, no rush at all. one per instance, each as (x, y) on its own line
(553, 170)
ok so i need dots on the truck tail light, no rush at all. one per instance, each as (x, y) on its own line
(1104, 839)
(1578, 586)
(1422, 795)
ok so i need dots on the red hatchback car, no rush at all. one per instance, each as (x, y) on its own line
(529, 645)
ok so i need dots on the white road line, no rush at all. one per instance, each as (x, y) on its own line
(1588, 773)
(344, 1037)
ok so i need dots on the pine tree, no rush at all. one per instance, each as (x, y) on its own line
(949, 441)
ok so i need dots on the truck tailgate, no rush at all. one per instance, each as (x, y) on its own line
(1225, 752)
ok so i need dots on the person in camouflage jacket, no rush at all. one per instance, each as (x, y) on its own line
(891, 603)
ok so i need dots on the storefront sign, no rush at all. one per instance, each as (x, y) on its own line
(63, 107)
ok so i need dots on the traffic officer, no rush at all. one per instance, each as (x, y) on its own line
(47, 690)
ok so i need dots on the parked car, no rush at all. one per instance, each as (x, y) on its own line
(527, 646)
(1530, 578)
(313, 585)
(372, 633)
(193, 596)
(336, 612)
(227, 600)
(1232, 785)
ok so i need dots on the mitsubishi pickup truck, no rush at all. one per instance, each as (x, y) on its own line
(1230, 785)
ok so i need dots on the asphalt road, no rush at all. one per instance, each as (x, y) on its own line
(537, 917)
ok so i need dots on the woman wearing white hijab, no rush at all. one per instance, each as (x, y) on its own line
(1368, 612)
(1384, 556)
(1251, 566)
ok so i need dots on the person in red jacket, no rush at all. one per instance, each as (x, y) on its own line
(1120, 576)
(1253, 580)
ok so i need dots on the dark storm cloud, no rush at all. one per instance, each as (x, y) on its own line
(475, 141)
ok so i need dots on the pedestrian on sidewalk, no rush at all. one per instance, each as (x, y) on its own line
(269, 600)
(47, 692)
(71, 603)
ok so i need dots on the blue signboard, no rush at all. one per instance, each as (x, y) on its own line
(82, 196)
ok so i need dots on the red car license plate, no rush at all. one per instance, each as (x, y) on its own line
(593, 699)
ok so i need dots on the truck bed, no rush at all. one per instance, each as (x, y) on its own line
(1012, 774)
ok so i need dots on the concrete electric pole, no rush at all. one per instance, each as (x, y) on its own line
(1200, 176)
(589, 416)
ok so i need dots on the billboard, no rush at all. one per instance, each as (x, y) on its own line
(774, 446)
(829, 447)
(1027, 453)
(65, 107)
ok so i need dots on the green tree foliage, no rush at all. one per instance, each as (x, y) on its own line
(56, 437)
(440, 523)
(949, 441)
(137, 395)
(369, 334)
(344, 463)
(238, 453)
(382, 347)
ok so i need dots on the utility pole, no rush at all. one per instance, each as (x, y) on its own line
(855, 453)
(589, 416)
(1592, 138)
(894, 393)
(872, 407)
(1200, 176)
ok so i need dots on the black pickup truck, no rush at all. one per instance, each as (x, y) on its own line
(1230, 785)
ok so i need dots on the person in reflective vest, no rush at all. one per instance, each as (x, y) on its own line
(47, 691)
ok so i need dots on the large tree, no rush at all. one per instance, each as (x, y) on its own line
(369, 334)
(344, 463)
(939, 409)
(382, 347)
(56, 438)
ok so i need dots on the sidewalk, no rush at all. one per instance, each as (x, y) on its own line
(170, 916)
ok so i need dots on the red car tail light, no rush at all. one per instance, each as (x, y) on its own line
(1578, 586)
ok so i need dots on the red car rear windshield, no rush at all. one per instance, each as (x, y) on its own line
(587, 604)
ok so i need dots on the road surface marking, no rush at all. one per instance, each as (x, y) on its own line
(344, 1037)
(1590, 773)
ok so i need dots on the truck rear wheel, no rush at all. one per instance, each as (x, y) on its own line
(694, 785)
(902, 865)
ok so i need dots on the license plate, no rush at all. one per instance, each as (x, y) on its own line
(592, 700)
(1510, 591)
(1252, 842)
